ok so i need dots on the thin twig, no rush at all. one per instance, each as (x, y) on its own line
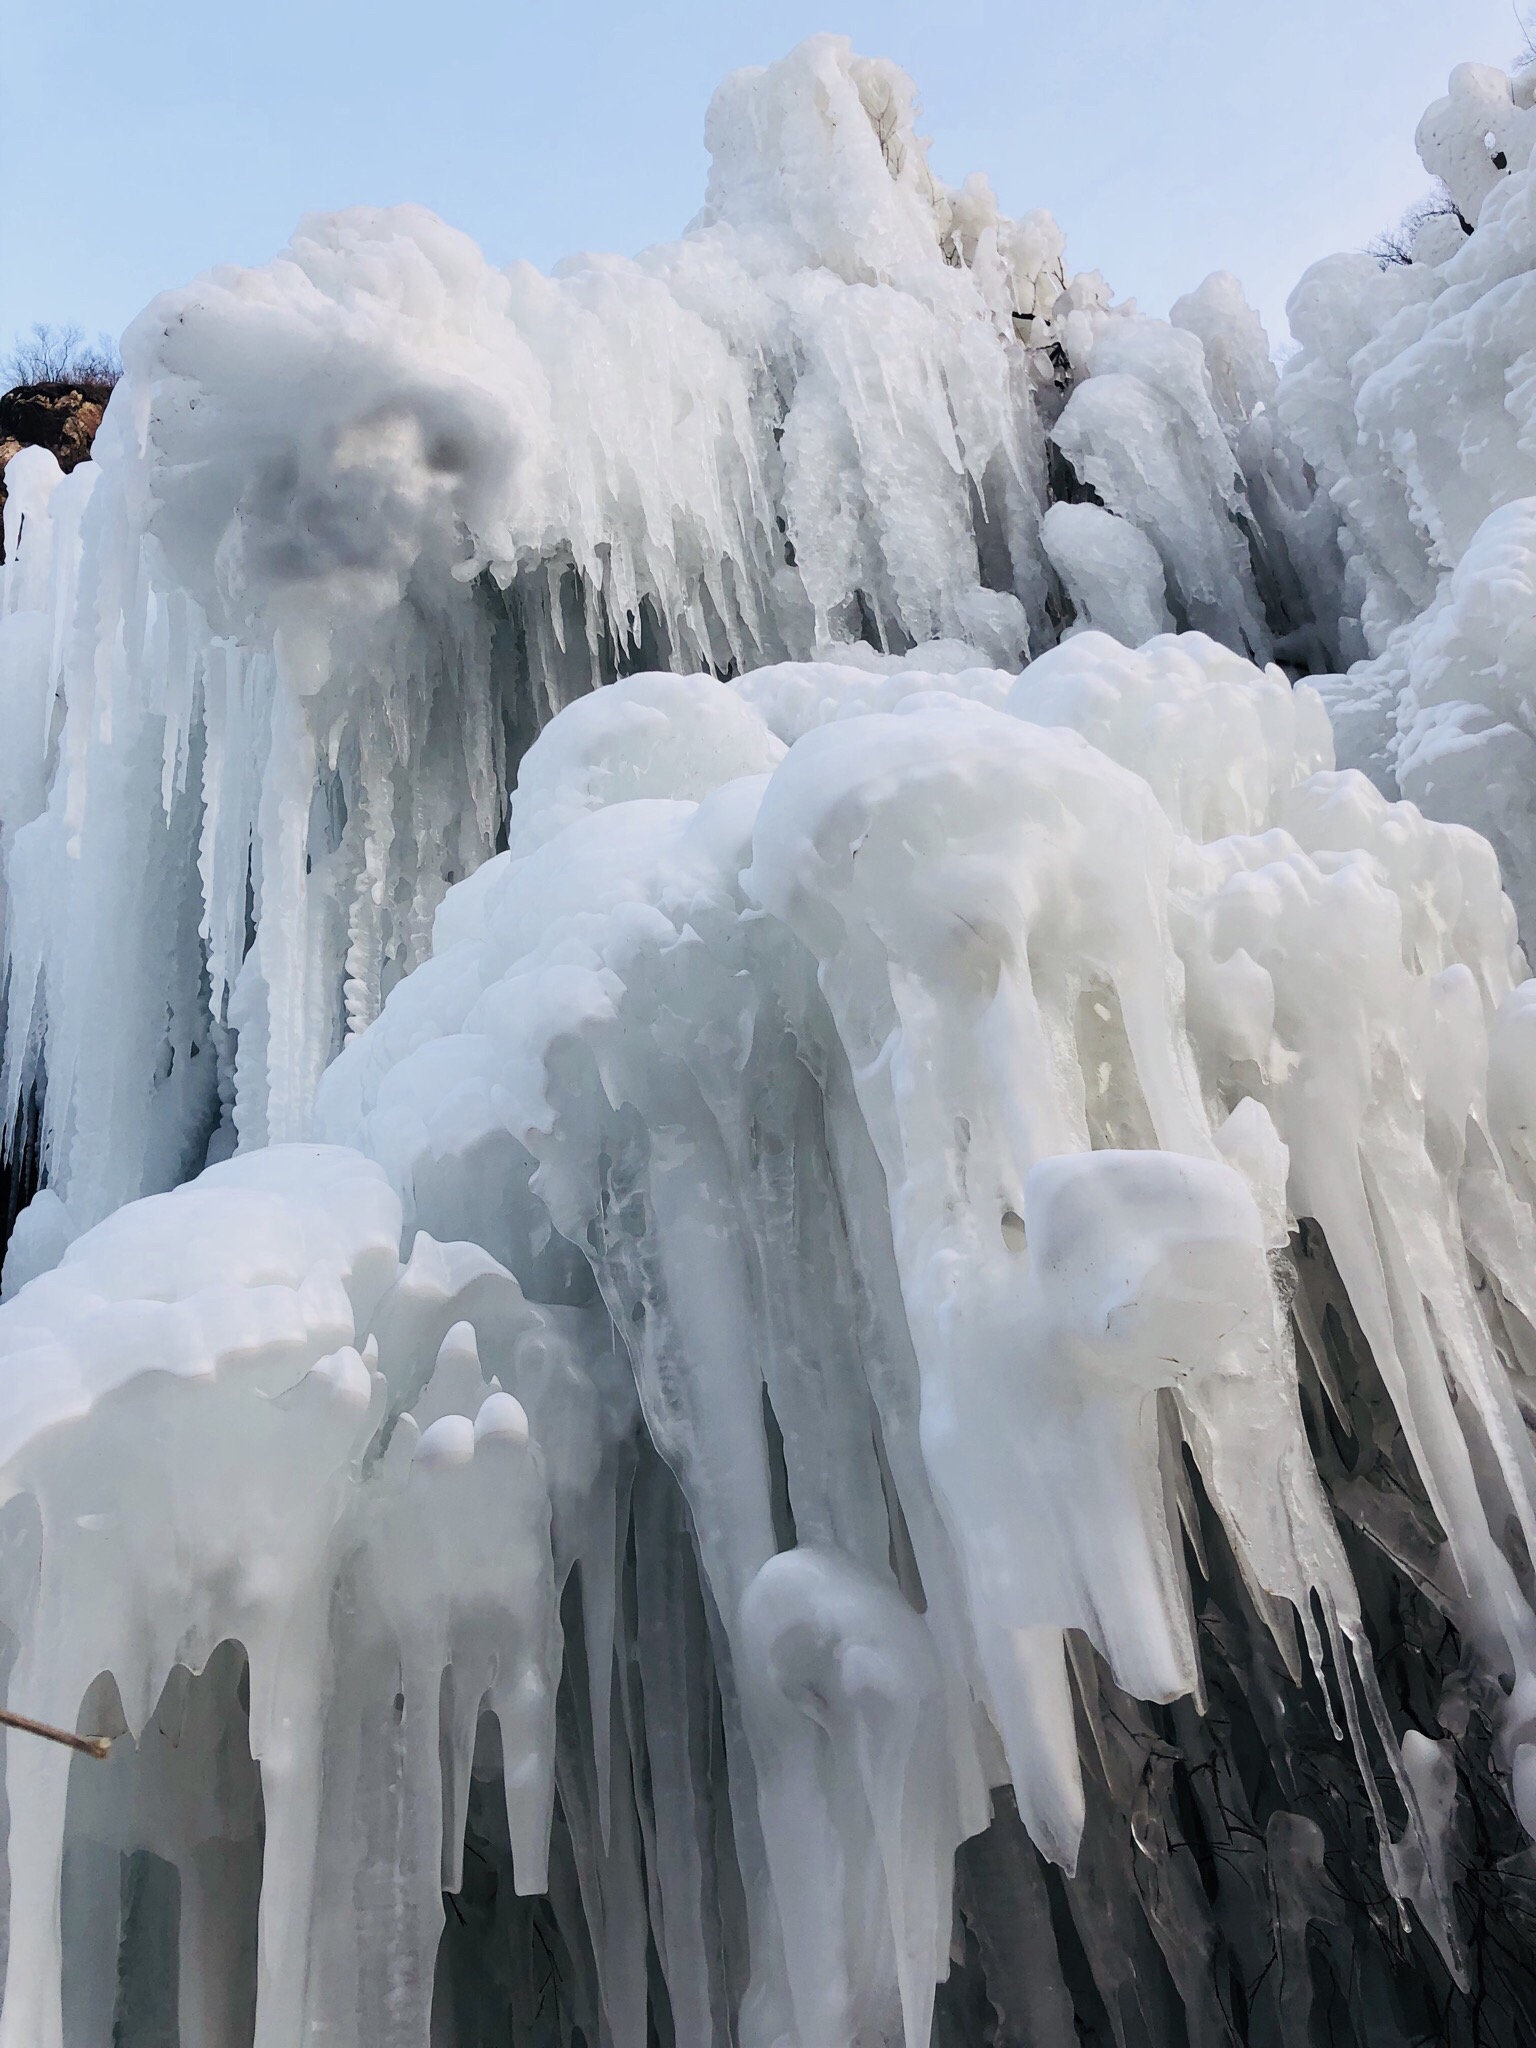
(88, 1745)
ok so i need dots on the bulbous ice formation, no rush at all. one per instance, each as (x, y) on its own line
(862, 1374)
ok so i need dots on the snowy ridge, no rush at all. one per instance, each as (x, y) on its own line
(862, 1374)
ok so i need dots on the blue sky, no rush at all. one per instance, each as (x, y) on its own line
(1169, 137)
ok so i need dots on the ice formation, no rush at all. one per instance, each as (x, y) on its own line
(789, 1297)
(367, 517)
(1413, 397)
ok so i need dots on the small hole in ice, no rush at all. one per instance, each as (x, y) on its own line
(1013, 1230)
(447, 455)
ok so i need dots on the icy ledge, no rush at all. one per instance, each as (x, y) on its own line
(908, 1085)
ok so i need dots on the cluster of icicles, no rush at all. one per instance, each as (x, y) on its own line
(361, 520)
(887, 1096)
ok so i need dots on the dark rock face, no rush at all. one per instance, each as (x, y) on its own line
(61, 417)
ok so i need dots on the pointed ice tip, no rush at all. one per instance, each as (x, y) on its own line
(447, 1445)
(348, 1373)
(502, 1419)
(460, 1343)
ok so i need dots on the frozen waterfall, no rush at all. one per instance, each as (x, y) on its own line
(778, 1278)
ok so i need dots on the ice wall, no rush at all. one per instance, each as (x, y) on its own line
(857, 1372)
(360, 521)
(1412, 398)
(900, 1134)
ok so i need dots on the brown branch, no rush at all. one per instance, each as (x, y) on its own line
(88, 1745)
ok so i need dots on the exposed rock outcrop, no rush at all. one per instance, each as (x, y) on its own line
(61, 417)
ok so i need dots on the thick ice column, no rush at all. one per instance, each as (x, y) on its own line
(837, 1670)
(1142, 430)
(1464, 749)
(1112, 572)
(37, 1788)
(446, 1558)
(934, 943)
